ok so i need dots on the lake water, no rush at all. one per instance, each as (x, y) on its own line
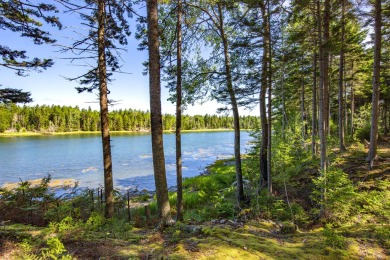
(79, 157)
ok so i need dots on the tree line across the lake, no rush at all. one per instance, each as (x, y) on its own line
(69, 119)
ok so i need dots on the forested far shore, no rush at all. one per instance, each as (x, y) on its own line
(54, 118)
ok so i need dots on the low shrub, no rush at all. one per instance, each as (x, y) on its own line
(332, 239)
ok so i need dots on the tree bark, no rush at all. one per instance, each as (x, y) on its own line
(263, 112)
(325, 46)
(341, 81)
(314, 105)
(107, 162)
(322, 112)
(233, 101)
(269, 126)
(385, 116)
(303, 110)
(375, 84)
(284, 114)
(179, 174)
(352, 112)
(156, 117)
(352, 127)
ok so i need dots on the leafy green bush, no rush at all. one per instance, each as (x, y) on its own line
(333, 239)
(66, 225)
(55, 250)
(375, 204)
(363, 133)
(363, 122)
(336, 193)
(95, 222)
(27, 203)
(299, 215)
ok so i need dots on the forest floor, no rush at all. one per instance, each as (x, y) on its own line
(223, 238)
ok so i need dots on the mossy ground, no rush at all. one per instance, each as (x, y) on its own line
(207, 232)
(257, 239)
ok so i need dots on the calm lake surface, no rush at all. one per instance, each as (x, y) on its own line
(79, 157)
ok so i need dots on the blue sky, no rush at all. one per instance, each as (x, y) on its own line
(50, 86)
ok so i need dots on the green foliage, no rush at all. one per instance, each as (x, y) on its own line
(95, 222)
(55, 249)
(212, 195)
(382, 233)
(66, 225)
(288, 227)
(336, 193)
(5, 118)
(175, 236)
(69, 119)
(271, 207)
(374, 205)
(26, 203)
(49, 247)
(333, 239)
(299, 215)
(363, 133)
(363, 123)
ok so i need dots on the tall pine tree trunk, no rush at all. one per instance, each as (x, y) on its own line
(385, 116)
(341, 81)
(233, 101)
(303, 110)
(179, 174)
(314, 105)
(346, 116)
(352, 112)
(269, 126)
(263, 112)
(352, 128)
(325, 45)
(322, 101)
(107, 162)
(284, 115)
(375, 84)
(156, 117)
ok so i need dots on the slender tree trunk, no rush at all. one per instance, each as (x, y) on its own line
(269, 126)
(179, 182)
(375, 84)
(107, 162)
(341, 81)
(156, 117)
(346, 117)
(322, 109)
(385, 117)
(314, 105)
(352, 111)
(352, 104)
(263, 112)
(325, 45)
(284, 115)
(236, 117)
(303, 111)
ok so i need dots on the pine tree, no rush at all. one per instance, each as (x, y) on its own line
(108, 27)
(375, 83)
(11, 95)
(156, 117)
(23, 17)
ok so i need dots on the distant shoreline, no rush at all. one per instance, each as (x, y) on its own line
(17, 134)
